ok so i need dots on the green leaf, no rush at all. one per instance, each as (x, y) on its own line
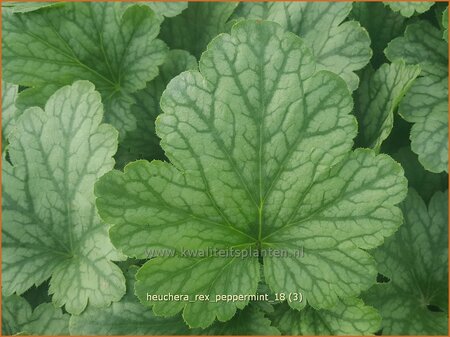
(142, 143)
(126, 317)
(9, 110)
(424, 182)
(167, 9)
(415, 261)
(46, 319)
(349, 317)
(129, 317)
(248, 322)
(23, 7)
(193, 29)
(382, 24)
(408, 9)
(376, 99)
(421, 44)
(50, 227)
(15, 314)
(253, 167)
(426, 103)
(445, 24)
(114, 48)
(339, 47)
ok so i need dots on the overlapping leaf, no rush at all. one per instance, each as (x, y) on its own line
(260, 149)
(382, 24)
(130, 317)
(349, 317)
(197, 25)
(445, 24)
(426, 103)
(337, 46)
(408, 9)
(376, 99)
(50, 226)
(112, 45)
(414, 301)
(142, 143)
(423, 181)
(167, 9)
(9, 110)
(18, 318)
(127, 317)
(29, 6)
(248, 322)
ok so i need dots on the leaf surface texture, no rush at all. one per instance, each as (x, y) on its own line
(50, 225)
(260, 148)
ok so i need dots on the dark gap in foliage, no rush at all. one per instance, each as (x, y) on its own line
(399, 136)
(38, 295)
(22, 88)
(382, 279)
(434, 308)
(7, 157)
(433, 15)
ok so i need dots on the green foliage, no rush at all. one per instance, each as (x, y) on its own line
(252, 157)
(341, 47)
(113, 46)
(445, 24)
(129, 317)
(349, 317)
(414, 301)
(381, 23)
(197, 26)
(426, 103)
(376, 99)
(19, 318)
(23, 7)
(9, 111)
(167, 9)
(50, 227)
(408, 9)
(233, 192)
(142, 142)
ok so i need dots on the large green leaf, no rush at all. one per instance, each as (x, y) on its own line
(9, 110)
(114, 48)
(376, 99)
(50, 226)
(193, 29)
(142, 143)
(415, 261)
(260, 150)
(409, 8)
(426, 103)
(339, 47)
(382, 24)
(46, 319)
(349, 317)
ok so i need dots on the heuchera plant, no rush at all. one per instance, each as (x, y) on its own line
(147, 146)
